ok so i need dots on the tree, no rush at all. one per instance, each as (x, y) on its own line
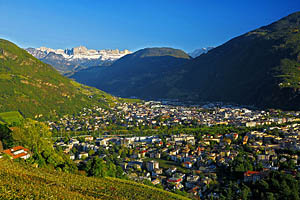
(91, 152)
(33, 135)
(96, 167)
(119, 172)
(6, 137)
(36, 137)
(270, 196)
(245, 192)
(1, 146)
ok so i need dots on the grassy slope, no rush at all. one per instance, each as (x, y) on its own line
(11, 117)
(33, 87)
(19, 182)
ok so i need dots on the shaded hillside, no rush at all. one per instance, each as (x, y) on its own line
(131, 74)
(261, 67)
(20, 181)
(34, 88)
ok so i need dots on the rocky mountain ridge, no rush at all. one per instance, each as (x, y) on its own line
(71, 60)
(198, 52)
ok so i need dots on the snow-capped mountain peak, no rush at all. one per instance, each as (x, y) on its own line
(71, 60)
(198, 52)
(82, 52)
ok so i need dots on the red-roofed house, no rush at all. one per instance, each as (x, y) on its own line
(188, 164)
(174, 180)
(143, 153)
(252, 176)
(17, 152)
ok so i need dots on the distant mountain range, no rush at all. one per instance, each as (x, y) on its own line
(131, 74)
(69, 61)
(260, 68)
(199, 52)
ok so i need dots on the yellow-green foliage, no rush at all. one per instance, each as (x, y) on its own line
(37, 90)
(5, 76)
(20, 181)
(11, 117)
(33, 135)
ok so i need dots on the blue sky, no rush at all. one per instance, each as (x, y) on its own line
(135, 24)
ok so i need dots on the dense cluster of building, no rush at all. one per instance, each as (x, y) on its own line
(155, 114)
(184, 162)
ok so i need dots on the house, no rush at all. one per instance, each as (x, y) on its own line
(178, 186)
(89, 138)
(17, 152)
(83, 155)
(245, 139)
(174, 180)
(158, 171)
(157, 155)
(72, 156)
(191, 181)
(252, 176)
(194, 190)
(151, 165)
(188, 164)
(74, 142)
(143, 153)
(155, 181)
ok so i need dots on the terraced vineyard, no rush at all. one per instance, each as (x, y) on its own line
(18, 181)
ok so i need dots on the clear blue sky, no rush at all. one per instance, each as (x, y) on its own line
(135, 24)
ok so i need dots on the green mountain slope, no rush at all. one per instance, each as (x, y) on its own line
(33, 88)
(20, 181)
(131, 74)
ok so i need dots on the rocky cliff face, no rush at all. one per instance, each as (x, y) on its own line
(69, 61)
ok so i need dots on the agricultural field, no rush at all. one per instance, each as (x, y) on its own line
(13, 117)
(21, 181)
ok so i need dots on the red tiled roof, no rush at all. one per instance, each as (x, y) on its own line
(20, 155)
(194, 189)
(11, 151)
(249, 173)
(173, 180)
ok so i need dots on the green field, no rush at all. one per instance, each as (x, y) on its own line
(20, 181)
(130, 100)
(10, 118)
